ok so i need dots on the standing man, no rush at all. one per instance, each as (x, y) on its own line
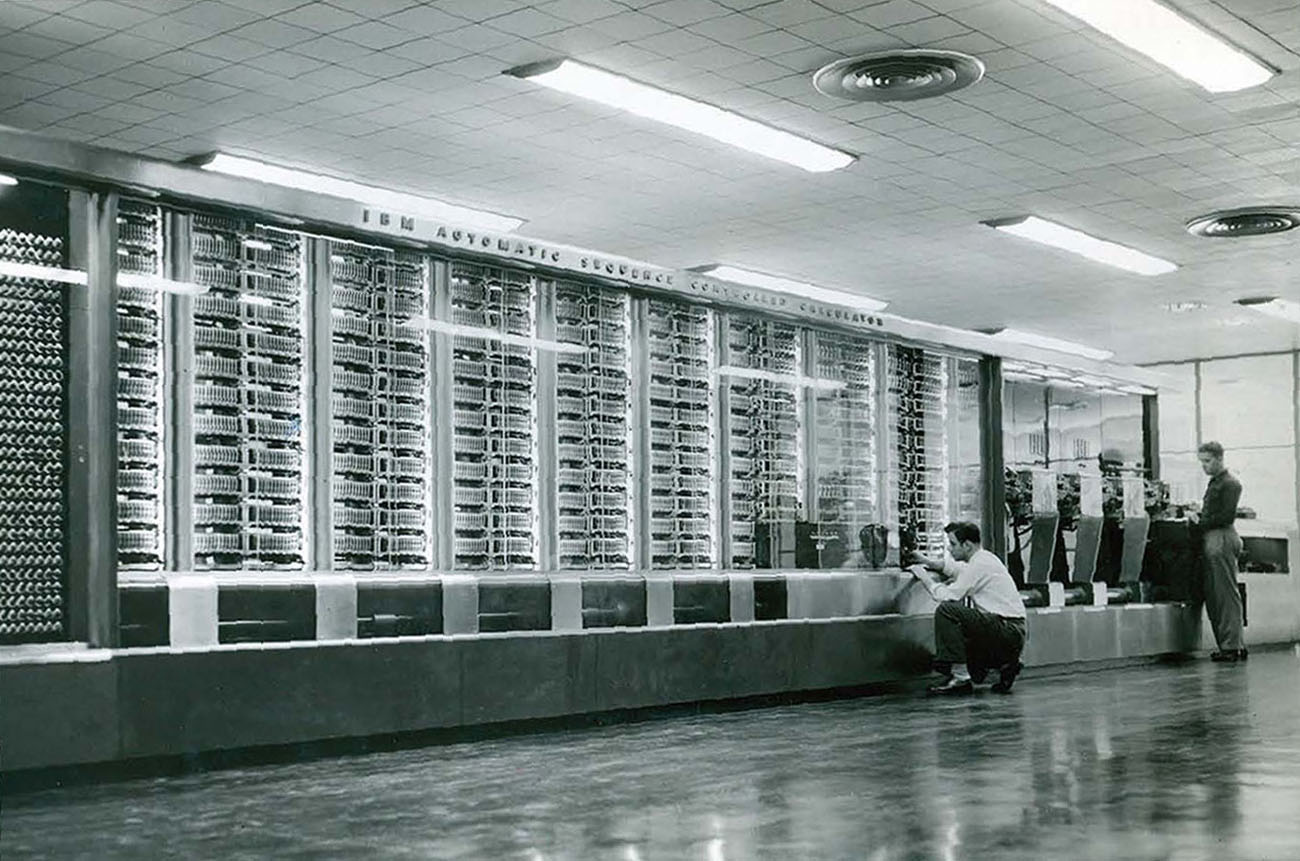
(1220, 545)
(988, 630)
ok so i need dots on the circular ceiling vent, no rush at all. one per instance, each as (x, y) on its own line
(898, 76)
(1251, 221)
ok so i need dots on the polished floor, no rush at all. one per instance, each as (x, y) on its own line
(1195, 761)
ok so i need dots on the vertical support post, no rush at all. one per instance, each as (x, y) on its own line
(178, 400)
(1295, 406)
(808, 420)
(319, 433)
(639, 353)
(92, 421)
(885, 454)
(722, 480)
(442, 407)
(547, 502)
(1196, 402)
(1151, 436)
(992, 460)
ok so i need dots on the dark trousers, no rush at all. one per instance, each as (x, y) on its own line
(964, 634)
(1222, 600)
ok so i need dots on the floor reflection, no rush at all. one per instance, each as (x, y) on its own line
(1192, 761)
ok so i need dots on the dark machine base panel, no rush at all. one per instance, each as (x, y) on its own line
(77, 708)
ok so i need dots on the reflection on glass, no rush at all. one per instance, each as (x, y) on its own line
(1024, 419)
(845, 432)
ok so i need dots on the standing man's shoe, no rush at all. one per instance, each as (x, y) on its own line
(1230, 656)
(951, 687)
(1007, 677)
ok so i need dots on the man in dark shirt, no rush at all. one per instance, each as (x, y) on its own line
(1220, 546)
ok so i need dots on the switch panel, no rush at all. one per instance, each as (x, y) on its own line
(380, 400)
(592, 421)
(682, 441)
(845, 416)
(248, 401)
(139, 390)
(495, 421)
(917, 409)
(765, 431)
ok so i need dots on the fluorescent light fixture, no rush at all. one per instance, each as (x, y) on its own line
(161, 285)
(1282, 309)
(795, 288)
(398, 201)
(1171, 40)
(1058, 236)
(1183, 307)
(494, 335)
(1046, 342)
(646, 101)
(6, 179)
(42, 273)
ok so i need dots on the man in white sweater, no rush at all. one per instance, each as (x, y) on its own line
(980, 621)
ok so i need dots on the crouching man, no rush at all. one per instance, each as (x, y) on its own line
(980, 622)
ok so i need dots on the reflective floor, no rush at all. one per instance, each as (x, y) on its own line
(1197, 761)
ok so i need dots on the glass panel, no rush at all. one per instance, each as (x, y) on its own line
(766, 441)
(381, 408)
(1121, 431)
(1248, 402)
(965, 472)
(917, 405)
(495, 424)
(139, 390)
(845, 429)
(1024, 415)
(682, 453)
(1178, 409)
(1074, 430)
(248, 398)
(592, 423)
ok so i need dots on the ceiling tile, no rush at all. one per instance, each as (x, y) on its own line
(106, 13)
(321, 17)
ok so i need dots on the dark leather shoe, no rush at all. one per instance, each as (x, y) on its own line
(1228, 657)
(1007, 677)
(950, 687)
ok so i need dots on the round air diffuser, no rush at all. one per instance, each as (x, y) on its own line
(1251, 221)
(898, 76)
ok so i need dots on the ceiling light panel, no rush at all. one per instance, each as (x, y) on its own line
(1171, 40)
(1017, 336)
(397, 201)
(1068, 239)
(646, 101)
(794, 288)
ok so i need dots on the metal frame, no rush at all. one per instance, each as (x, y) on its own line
(318, 370)
(91, 489)
(178, 400)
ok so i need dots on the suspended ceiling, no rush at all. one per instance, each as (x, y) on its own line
(1066, 125)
